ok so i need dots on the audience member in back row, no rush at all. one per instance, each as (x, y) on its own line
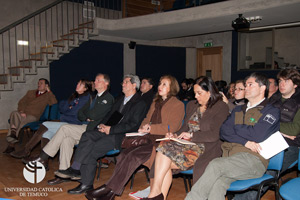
(247, 125)
(146, 91)
(69, 135)
(288, 101)
(165, 111)
(30, 109)
(239, 96)
(68, 114)
(95, 144)
(273, 88)
(201, 125)
(186, 93)
(230, 91)
(221, 86)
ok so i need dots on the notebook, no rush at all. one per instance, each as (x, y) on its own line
(114, 119)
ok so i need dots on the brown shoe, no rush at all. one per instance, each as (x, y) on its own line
(36, 159)
(57, 180)
(9, 149)
(20, 154)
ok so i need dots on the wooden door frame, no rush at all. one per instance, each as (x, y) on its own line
(209, 51)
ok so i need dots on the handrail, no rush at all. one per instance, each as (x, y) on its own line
(30, 16)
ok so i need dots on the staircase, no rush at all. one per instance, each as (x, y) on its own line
(50, 32)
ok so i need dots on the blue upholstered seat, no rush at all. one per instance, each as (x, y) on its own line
(290, 190)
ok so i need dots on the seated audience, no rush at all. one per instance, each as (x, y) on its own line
(96, 143)
(230, 91)
(201, 125)
(165, 111)
(247, 125)
(68, 114)
(221, 86)
(146, 91)
(186, 93)
(239, 96)
(273, 87)
(288, 101)
(69, 135)
(30, 109)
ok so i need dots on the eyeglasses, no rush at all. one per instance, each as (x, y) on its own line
(239, 89)
(125, 82)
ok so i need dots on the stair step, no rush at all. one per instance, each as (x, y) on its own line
(20, 67)
(43, 52)
(89, 22)
(70, 34)
(52, 45)
(80, 28)
(61, 40)
(31, 59)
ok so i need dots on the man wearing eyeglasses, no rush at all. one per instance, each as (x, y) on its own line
(95, 144)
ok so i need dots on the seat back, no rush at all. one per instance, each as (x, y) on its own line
(54, 113)
(276, 161)
(299, 160)
(45, 115)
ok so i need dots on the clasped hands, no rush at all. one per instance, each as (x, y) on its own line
(103, 128)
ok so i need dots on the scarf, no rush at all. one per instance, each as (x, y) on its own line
(156, 116)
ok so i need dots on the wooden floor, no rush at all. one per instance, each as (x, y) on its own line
(11, 176)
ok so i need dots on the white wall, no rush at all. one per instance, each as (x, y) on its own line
(9, 100)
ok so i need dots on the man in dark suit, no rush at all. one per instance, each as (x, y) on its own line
(95, 144)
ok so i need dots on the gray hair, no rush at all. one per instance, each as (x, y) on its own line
(134, 79)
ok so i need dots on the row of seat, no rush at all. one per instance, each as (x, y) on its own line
(288, 191)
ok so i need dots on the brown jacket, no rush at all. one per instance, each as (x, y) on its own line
(32, 105)
(210, 124)
(172, 114)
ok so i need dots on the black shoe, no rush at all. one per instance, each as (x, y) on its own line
(80, 189)
(98, 192)
(68, 173)
(57, 180)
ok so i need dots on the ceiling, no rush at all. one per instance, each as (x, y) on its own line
(204, 19)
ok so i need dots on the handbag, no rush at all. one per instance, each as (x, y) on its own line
(135, 141)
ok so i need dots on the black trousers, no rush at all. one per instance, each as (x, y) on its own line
(92, 145)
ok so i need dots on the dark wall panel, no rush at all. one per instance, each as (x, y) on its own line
(155, 61)
(91, 58)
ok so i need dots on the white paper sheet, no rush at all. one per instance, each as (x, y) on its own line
(273, 145)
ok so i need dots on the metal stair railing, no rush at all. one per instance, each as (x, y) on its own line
(49, 32)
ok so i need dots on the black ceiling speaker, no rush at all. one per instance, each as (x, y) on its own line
(240, 23)
(131, 45)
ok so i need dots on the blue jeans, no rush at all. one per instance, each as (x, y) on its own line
(52, 128)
